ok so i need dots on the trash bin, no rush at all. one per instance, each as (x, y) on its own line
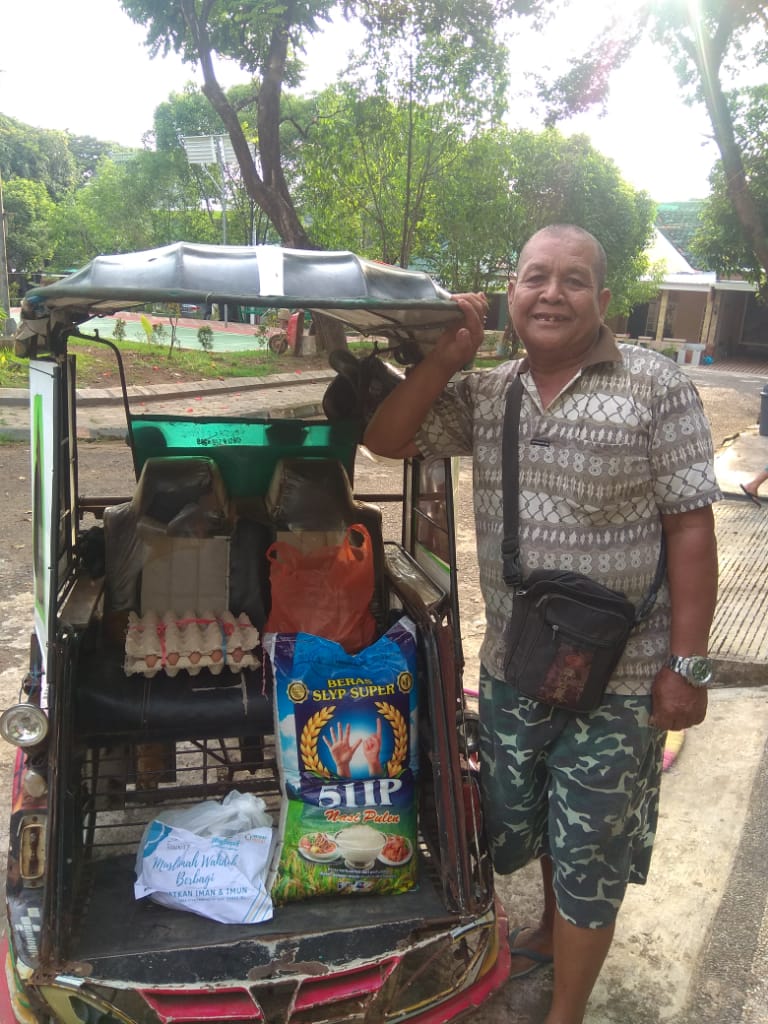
(764, 411)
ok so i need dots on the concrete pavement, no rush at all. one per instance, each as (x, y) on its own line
(692, 945)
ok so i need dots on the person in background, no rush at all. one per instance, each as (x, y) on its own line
(751, 487)
(615, 451)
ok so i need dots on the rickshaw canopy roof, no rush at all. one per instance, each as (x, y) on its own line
(367, 295)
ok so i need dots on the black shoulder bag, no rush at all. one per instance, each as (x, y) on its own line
(566, 632)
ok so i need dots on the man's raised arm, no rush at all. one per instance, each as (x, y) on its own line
(395, 422)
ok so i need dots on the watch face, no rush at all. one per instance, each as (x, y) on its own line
(700, 671)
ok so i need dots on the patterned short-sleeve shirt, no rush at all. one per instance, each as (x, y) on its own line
(625, 441)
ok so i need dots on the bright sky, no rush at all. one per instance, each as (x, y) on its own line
(82, 66)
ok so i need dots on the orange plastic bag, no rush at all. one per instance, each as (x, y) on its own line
(326, 592)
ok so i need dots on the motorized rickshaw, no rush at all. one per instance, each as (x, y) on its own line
(103, 753)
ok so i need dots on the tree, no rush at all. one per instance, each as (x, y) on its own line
(184, 113)
(266, 40)
(188, 113)
(37, 155)
(368, 171)
(720, 241)
(140, 204)
(703, 39)
(87, 151)
(28, 213)
(503, 186)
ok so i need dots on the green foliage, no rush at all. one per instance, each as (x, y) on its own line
(405, 164)
(146, 202)
(474, 202)
(118, 332)
(503, 186)
(158, 330)
(184, 113)
(705, 41)
(37, 155)
(29, 211)
(719, 242)
(369, 170)
(188, 113)
(432, 52)
(439, 54)
(87, 152)
(205, 338)
(14, 371)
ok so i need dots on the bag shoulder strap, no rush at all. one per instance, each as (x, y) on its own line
(512, 567)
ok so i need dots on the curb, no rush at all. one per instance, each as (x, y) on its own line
(168, 392)
(731, 673)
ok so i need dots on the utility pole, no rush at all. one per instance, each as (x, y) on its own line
(5, 296)
(208, 150)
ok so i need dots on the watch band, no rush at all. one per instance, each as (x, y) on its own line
(696, 669)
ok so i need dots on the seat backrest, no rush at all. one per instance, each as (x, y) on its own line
(178, 516)
(182, 497)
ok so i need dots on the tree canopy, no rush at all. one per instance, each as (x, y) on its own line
(705, 40)
(720, 241)
(506, 185)
(406, 160)
(475, 201)
(37, 155)
(266, 41)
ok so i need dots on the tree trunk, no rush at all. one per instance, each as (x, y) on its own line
(707, 60)
(268, 189)
(330, 334)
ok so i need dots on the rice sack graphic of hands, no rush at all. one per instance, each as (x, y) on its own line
(341, 750)
(372, 750)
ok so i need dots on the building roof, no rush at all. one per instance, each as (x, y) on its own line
(680, 276)
(679, 222)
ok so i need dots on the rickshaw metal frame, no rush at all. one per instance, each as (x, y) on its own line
(287, 971)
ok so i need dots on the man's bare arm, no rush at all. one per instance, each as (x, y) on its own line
(396, 421)
(692, 571)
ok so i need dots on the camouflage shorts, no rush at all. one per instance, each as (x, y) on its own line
(583, 789)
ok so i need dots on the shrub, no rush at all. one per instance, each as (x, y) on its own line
(119, 331)
(205, 337)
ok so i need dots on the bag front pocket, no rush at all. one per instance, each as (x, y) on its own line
(562, 650)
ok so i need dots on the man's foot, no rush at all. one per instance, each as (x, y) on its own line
(531, 948)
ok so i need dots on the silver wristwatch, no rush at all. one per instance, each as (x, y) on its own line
(695, 669)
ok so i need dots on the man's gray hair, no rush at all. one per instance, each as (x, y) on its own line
(558, 230)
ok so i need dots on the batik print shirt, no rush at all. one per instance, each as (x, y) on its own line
(625, 441)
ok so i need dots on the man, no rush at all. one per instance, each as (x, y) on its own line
(614, 451)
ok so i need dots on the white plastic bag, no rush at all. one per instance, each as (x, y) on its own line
(211, 859)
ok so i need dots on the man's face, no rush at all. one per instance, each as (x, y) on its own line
(555, 303)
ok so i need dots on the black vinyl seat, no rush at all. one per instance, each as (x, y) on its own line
(306, 495)
(112, 706)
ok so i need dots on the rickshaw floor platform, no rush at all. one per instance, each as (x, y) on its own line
(135, 938)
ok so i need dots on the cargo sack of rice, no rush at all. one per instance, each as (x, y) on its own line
(348, 751)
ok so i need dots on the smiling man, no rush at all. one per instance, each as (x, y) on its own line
(614, 453)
